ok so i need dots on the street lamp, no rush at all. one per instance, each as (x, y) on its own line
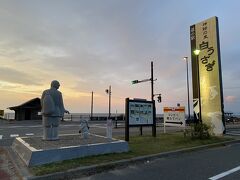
(196, 52)
(109, 92)
(186, 59)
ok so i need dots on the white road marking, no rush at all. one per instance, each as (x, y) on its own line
(101, 127)
(29, 134)
(14, 135)
(237, 132)
(99, 124)
(1, 136)
(225, 173)
(9, 127)
(234, 134)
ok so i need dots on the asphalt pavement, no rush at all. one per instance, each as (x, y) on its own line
(195, 165)
(215, 163)
(13, 129)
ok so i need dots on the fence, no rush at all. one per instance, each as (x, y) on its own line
(85, 116)
(78, 117)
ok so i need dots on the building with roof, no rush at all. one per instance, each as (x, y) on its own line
(28, 110)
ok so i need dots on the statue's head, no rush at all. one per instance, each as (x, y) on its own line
(55, 84)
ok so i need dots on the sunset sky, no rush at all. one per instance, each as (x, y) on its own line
(88, 45)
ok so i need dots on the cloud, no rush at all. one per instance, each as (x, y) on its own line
(18, 77)
(230, 99)
(89, 45)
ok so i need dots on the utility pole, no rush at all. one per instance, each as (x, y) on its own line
(152, 93)
(152, 98)
(116, 119)
(109, 92)
(188, 91)
(154, 108)
(91, 117)
(109, 114)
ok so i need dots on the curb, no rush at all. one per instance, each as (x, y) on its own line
(18, 163)
(94, 169)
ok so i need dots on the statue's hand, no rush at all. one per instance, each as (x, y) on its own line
(67, 112)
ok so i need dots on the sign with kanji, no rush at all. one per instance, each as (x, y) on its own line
(174, 116)
(207, 74)
(140, 113)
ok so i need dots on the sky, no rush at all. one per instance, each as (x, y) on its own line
(88, 45)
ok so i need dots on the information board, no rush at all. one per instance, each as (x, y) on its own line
(140, 113)
(174, 116)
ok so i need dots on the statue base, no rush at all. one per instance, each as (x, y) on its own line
(36, 151)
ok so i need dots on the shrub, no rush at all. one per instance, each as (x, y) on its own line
(198, 131)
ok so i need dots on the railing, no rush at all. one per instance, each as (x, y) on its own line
(77, 117)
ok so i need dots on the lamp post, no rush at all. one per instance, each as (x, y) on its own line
(186, 59)
(196, 52)
(109, 92)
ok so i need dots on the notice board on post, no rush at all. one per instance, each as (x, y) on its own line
(174, 116)
(139, 112)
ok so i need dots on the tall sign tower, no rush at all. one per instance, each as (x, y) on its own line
(207, 75)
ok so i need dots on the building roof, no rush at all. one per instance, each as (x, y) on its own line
(33, 103)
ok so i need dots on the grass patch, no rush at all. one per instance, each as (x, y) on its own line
(139, 146)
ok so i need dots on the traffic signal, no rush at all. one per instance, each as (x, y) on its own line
(159, 98)
(135, 82)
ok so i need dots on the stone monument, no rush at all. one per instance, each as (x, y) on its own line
(34, 151)
(84, 129)
(52, 111)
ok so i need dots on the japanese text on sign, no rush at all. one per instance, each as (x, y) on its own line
(204, 46)
(140, 113)
(174, 116)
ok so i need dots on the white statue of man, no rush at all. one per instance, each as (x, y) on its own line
(52, 111)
